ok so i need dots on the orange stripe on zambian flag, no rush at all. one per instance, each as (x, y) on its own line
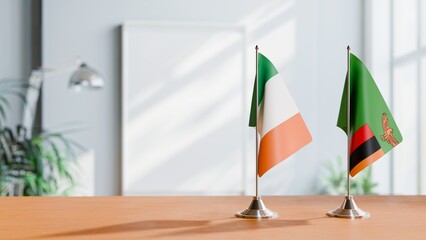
(367, 162)
(360, 136)
(282, 141)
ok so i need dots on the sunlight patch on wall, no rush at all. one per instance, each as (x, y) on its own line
(406, 116)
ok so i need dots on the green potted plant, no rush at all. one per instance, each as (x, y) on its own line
(333, 180)
(37, 165)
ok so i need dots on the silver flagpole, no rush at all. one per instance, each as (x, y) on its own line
(348, 122)
(348, 209)
(257, 117)
(257, 208)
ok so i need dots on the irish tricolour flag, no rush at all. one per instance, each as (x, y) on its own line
(280, 126)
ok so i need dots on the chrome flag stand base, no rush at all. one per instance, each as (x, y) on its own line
(348, 209)
(257, 209)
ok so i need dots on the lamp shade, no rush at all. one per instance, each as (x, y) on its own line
(86, 77)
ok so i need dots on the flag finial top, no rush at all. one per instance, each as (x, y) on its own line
(349, 48)
(257, 47)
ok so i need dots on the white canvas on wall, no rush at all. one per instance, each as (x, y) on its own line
(182, 109)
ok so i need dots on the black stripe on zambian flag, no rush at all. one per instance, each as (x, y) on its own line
(365, 149)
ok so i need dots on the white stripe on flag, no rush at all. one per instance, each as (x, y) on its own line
(277, 105)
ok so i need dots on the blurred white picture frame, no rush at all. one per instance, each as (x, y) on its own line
(183, 108)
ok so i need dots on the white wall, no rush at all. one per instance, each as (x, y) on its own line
(394, 54)
(15, 47)
(340, 23)
(309, 40)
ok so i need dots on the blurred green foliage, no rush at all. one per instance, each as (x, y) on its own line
(34, 165)
(334, 180)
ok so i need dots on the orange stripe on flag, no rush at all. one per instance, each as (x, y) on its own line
(367, 162)
(282, 141)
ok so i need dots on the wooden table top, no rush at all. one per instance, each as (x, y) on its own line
(300, 217)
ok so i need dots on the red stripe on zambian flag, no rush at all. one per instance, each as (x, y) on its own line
(282, 141)
(360, 136)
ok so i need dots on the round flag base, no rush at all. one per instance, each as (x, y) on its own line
(257, 209)
(348, 209)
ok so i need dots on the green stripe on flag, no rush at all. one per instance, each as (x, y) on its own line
(266, 71)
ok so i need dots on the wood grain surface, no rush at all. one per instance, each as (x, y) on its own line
(300, 217)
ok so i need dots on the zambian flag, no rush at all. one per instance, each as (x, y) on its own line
(373, 131)
(279, 124)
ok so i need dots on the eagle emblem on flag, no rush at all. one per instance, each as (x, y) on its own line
(387, 131)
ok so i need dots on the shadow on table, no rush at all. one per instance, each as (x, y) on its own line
(130, 227)
(237, 225)
(194, 227)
